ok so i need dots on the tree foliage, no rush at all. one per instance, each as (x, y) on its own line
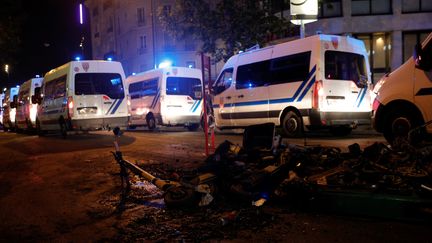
(224, 27)
(11, 19)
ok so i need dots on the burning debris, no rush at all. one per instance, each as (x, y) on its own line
(264, 169)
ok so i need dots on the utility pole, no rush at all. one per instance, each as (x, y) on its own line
(153, 33)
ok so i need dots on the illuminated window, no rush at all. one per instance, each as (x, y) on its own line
(378, 47)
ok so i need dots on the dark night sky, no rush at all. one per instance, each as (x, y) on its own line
(51, 37)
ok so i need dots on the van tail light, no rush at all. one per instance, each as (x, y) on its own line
(70, 106)
(375, 104)
(33, 112)
(318, 94)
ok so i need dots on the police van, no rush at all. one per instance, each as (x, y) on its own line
(404, 97)
(82, 95)
(320, 81)
(9, 110)
(25, 109)
(170, 96)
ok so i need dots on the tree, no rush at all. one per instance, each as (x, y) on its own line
(225, 27)
(11, 19)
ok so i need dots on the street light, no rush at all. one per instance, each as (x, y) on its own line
(6, 68)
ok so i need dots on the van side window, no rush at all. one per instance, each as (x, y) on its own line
(109, 84)
(345, 66)
(224, 81)
(55, 88)
(143, 88)
(253, 75)
(22, 97)
(292, 68)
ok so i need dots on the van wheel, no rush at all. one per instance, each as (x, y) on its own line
(63, 128)
(292, 125)
(39, 131)
(398, 125)
(193, 127)
(151, 122)
(17, 130)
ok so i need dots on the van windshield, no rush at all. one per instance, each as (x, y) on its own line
(346, 66)
(184, 86)
(109, 84)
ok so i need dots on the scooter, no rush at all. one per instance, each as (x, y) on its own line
(197, 192)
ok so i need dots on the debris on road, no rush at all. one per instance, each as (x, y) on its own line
(397, 183)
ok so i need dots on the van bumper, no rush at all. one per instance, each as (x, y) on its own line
(180, 120)
(99, 123)
(318, 118)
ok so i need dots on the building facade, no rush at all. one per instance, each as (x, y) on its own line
(129, 32)
(389, 28)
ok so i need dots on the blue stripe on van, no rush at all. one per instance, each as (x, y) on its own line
(155, 99)
(197, 105)
(112, 105)
(193, 106)
(309, 85)
(362, 94)
(308, 82)
(117, 105)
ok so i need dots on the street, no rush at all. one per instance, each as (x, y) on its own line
(55, 189)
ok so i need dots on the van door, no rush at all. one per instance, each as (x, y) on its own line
(183, 100)
(144, 96)
(423, 84)
(222, 98)
(345, 85)
(54, 103)
(99, 95)
(251, 94)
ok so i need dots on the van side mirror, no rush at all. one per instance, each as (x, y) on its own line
(14, 101)
(420, 59)
(36, 98)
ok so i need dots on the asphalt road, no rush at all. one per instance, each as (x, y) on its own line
(54, 189)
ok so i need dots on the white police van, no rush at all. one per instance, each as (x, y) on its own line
(25, 109)
(404, 97)
(170, 96)
(320, 81)
(82, 95)
(9, 110)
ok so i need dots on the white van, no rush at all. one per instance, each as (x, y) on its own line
(82, 95)
(404, 97)
(320, 81)
(9, 110)
(169, 96)
(25, 109)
